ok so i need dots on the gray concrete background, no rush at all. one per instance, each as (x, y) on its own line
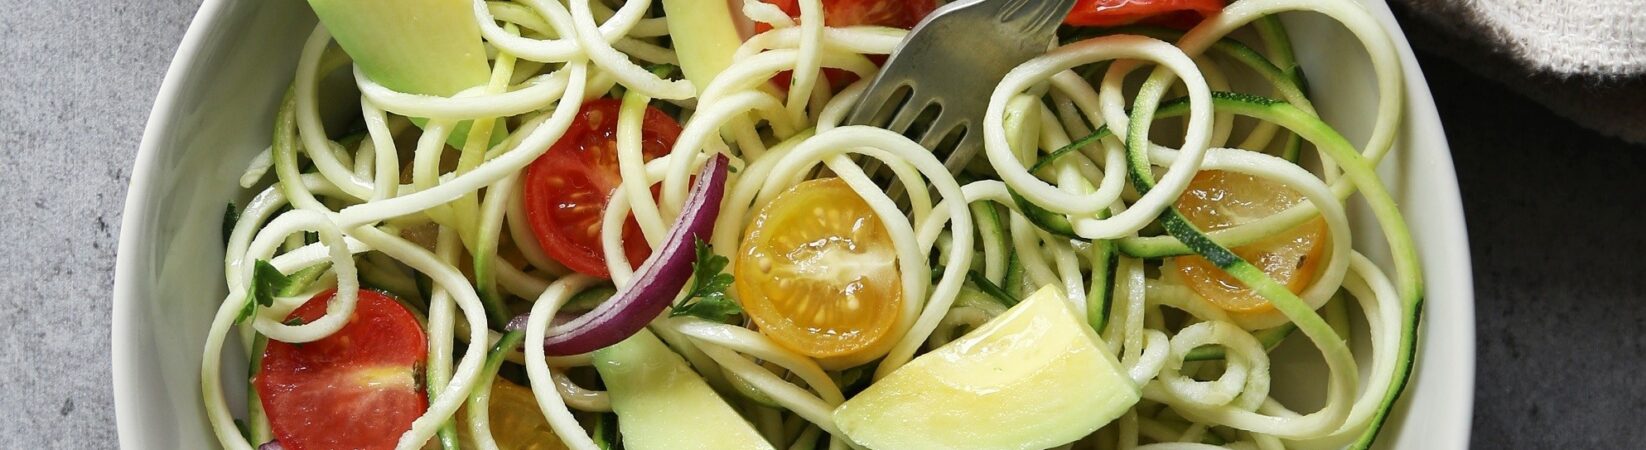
(1555, 215)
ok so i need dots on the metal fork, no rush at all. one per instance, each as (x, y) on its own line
(949, 65)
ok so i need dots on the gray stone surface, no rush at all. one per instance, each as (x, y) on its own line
(76, 83)
(1555, 215)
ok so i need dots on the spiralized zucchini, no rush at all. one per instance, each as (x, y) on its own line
(1044, 205)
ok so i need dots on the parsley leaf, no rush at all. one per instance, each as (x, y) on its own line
(266, 282)
(246, 311)
(708, 298)
(231, 216)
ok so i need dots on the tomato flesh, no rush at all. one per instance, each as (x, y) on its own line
(818, 273)
(903, 14)
(1216, 200)
(566, 190)
(358, 388)
(1175, 13)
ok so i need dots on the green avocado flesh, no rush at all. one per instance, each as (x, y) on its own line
(661, 404)
(1035, 377)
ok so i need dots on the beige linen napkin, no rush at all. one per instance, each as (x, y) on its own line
(1584, 59)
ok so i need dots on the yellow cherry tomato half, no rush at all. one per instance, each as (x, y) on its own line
(818, 273)
(516, 420)
(1216, 200)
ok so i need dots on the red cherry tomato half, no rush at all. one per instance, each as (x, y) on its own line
(359, 388)
(844, 13)
(567, 188)
(1176, 13)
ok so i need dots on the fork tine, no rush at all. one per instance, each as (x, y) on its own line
(1048, 16)
(964, 151)
(941, 128)
(875, 99)
(934, 137)
(988, 38)
(1008, 11)
(911, 110)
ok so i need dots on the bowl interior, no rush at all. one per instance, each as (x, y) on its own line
(215, 112)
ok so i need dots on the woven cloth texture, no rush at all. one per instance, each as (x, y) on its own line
(1583, 59)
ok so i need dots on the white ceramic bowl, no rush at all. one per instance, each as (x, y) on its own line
(216, 107)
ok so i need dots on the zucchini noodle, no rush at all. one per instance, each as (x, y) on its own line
(424, 196)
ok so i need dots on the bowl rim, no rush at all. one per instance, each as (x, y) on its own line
(139, 193)
(1419, 107)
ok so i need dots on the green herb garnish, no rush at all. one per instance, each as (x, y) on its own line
(708, 299)
(231, 216)
(266, 281)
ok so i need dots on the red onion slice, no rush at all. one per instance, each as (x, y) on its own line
(655, 283)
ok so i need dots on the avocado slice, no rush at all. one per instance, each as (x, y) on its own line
(1035, 377)
(661, 404)
(428, 47)
(704, 36)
